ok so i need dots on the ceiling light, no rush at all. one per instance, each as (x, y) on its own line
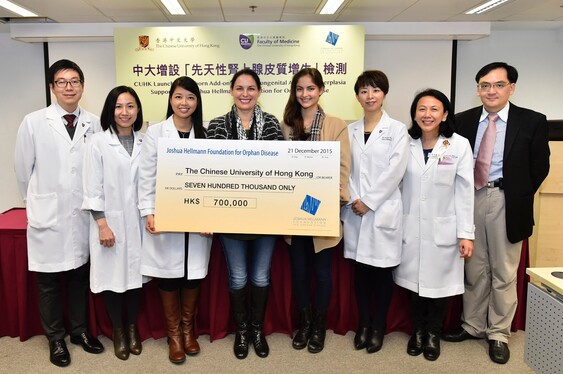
(486, 6)
(331, 6)
(173, 7)
(17, 9)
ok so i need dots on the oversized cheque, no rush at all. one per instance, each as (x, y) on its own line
(261, 187)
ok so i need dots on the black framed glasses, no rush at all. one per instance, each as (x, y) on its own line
(62, 83)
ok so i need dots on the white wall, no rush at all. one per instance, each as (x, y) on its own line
(410, 67)
(536, 54)
(97, 61)
(23, 91)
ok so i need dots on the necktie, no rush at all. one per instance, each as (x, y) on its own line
(69, 118)
(485, 154)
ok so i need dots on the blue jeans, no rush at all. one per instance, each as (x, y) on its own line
(238, 252)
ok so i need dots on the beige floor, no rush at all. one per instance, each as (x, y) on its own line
(338, 356)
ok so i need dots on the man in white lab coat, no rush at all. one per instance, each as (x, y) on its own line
(48, 162)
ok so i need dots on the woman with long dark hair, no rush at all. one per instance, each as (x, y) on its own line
(180, 260)
(248, 256)
(305, 120)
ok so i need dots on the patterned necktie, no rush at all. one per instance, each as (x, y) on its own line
(69, 118)
(485, 154)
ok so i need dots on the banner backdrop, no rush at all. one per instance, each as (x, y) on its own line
(150, 58)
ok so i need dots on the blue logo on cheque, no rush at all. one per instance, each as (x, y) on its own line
(310, 204)
(332, 38)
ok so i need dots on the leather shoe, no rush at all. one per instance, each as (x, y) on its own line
(498, 351)
(361, 338)
(135, 345)
(88, 343)
(458, 336)
(120, 343)
(431, 347)
(58, 353)
(414, 347)
(375, 341)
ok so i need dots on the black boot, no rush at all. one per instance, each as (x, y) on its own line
(361, 337)
(375, 341)
(318, 333)
(414, 347)
(259, 298)
(238, 307)
(302, 335)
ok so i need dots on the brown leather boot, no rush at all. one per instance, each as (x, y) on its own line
(190, 298)
(135, 345)
(171, 306)
(120, 343)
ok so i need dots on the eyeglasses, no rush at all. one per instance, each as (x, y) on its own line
(496, 86)
(62, 83)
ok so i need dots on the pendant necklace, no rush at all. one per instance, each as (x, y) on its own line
(184, 134)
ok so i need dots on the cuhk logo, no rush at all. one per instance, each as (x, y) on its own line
(332, 38)
(143, 41)
(246, 41)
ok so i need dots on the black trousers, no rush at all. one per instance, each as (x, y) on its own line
(304, 259)
(50, 291)
(373, 284)
(428, 314)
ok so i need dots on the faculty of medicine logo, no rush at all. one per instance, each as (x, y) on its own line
(143, 41)
(332, 38)
(246, 41)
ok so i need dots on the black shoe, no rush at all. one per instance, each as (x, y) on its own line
(58, 353)
(458, 336)
(431, 347)
(88, 343)
(414, 347)
(375, 341)
(361, 338)
(498, 351)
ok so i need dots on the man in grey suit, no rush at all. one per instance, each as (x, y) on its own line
(517, 165)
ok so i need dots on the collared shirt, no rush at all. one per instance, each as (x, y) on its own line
(498, 154)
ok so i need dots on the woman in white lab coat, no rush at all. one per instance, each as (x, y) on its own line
(180, 260)
(438, 218)
(373, 219)
(111, 165)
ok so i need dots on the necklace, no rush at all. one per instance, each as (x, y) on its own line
(183, 134)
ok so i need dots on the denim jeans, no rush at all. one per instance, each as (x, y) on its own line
(248, 259)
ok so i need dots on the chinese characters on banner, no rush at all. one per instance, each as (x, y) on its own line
(150, 58)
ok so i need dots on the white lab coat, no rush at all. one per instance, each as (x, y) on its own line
(162, 254)
(49, 172)
(110, 185)
(438, 211)
(377, 169)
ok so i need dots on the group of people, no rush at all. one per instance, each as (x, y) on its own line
(413, 203)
